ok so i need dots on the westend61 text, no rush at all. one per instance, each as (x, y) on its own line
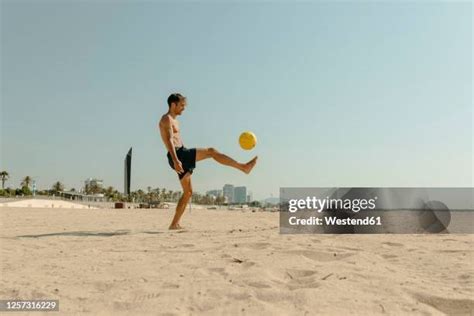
(334, 221)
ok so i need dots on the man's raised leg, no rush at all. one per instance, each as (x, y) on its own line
(204, 153)
(183, 201)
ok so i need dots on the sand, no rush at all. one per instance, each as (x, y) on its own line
(43, 203)
(126, 262)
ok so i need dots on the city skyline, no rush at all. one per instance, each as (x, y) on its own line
(233, 193)
(100, 184)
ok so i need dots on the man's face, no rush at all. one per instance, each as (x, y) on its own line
(180, 106)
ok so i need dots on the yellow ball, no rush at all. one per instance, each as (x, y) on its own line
(247, 140)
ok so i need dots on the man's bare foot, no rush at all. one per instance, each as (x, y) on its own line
(249, 165)
(175, 227)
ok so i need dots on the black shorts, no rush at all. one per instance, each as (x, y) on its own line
(187, 156)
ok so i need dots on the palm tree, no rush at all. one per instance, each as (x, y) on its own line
(154, 196)
(94, 188)
(196, 198)
(26, 182)
(176, 196)
(141, 195)
(219, 200)
(87, 189)
(4, 176)
(109, 192)
(58, 187)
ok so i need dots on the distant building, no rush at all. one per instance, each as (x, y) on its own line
(73, 195)
(240, 195)
(94, 182)
(249, 197)
(214, 193)
(228, 192)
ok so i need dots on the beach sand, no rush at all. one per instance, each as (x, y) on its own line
(126, 262)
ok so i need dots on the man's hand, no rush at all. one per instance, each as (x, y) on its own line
(178, 166)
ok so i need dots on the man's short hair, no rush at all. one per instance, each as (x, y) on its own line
(175, 98)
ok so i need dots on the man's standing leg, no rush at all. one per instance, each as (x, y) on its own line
(183, 201)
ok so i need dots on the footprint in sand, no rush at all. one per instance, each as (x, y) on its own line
(454, 251)
(349, 248)
(389, 256)
(243, 262)
(465, 276)
(320, 255)
(117, 305)
(447, 306)
(102, 286)
(301, 279)
(170, 286)
(145, 296)
(465, 279)
(273, 297)
(394, 244)
(239, 296)
(186, 245)
(255, 245)
(294, 273)
(258, 285)
(248, 264)
(220, 271)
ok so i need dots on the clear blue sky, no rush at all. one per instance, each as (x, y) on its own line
(339, 94)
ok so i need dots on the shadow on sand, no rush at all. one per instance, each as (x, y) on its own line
(88, 233)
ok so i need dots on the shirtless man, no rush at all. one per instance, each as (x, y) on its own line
(183, 160)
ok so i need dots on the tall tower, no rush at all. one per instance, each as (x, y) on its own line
(128, 171)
